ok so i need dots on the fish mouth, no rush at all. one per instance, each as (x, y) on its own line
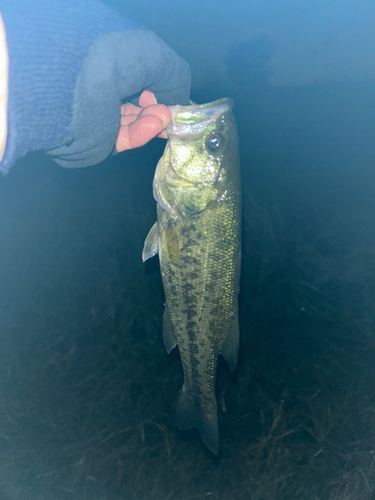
(194, 119)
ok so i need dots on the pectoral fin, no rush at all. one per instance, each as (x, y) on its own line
(151, 246)
(231, 343)
(169, 337)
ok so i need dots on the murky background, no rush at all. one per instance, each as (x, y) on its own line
(87, 391)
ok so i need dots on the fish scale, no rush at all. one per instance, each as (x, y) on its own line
(198, 238)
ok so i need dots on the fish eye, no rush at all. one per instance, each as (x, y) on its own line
(214, 143)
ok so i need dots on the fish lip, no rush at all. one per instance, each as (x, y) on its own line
(214, 108)
(193, 119)
(187, 129)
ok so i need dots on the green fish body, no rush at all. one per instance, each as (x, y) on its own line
(198, 238)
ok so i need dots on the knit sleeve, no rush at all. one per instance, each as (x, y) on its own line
(47, 42)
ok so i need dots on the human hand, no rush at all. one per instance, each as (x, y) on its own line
(140, 124)
(64, 97)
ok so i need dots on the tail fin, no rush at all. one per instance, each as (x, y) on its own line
(189, 415)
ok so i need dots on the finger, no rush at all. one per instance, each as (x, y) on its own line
(163, 113)
(163, 135)
(139, 132)
(147, 98)
(128, 119)
(159, 110)
(130, 109)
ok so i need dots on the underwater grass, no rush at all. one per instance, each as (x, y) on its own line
(88, 413)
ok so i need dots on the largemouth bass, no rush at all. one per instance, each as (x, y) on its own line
(198, 238)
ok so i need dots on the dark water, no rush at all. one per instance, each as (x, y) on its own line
(87, 392)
